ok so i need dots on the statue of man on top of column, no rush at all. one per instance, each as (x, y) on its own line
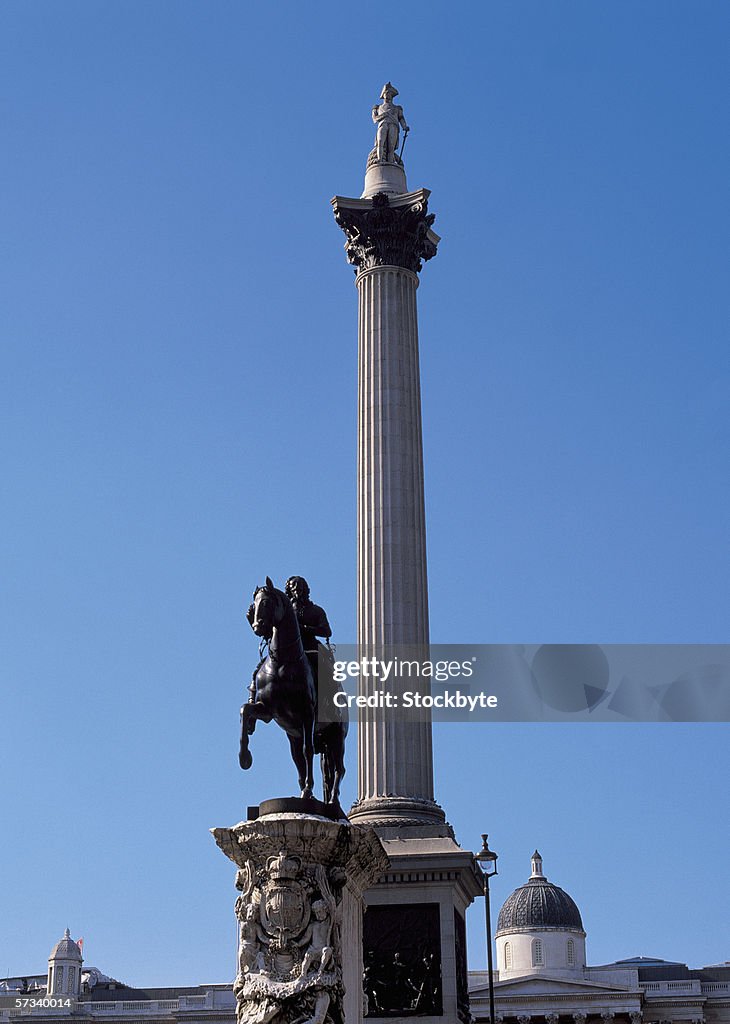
(389, 119)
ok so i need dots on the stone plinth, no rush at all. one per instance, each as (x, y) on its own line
(386, 176)
(301, 879)
(417, 909)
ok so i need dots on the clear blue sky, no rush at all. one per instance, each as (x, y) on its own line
(178, 420)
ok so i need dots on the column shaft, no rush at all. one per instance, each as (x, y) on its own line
(391, 533)
(387, 240)
(394, 756)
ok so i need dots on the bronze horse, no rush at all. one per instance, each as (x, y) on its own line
(286, 691)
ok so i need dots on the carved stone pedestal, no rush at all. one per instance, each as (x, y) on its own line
(301, 879)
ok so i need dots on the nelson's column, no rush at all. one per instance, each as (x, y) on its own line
(413, 932)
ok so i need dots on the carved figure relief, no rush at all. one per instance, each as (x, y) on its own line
(289, 943)
(402, 963)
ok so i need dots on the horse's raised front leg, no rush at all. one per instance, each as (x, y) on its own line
(245, 757)
(250, 714)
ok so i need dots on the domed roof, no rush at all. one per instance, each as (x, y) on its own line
(66, 949)
(539, 905)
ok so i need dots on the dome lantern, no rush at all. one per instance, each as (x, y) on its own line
(536, 865)
(64, 968)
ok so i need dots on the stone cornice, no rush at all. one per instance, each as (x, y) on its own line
(541, 999)
(534, 929)
(444, 863)
(387, 230)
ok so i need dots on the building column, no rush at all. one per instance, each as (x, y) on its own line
(387, 239)
(414, 921)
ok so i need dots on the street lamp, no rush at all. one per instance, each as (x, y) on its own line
(487, 862)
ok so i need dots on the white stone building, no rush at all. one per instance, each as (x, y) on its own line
(77, 993)
(542, 977)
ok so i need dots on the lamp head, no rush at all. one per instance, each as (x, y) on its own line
(486, 859)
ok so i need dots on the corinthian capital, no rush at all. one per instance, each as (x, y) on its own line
(387, 231)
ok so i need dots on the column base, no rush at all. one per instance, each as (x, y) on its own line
(397, 812)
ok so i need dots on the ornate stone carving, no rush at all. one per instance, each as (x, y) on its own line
(292, 873)
(636, 1017)
(552, 1018)
(607, 1016)
(524, 1018)
(289, 930)
(579, 1018)
(382, 234)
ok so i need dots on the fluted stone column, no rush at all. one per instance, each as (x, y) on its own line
(388, 237)
(391, 535)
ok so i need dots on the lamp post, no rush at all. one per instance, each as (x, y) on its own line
(487, 862)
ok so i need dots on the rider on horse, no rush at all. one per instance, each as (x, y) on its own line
(313, 622)
(288, 684)
(312, 619)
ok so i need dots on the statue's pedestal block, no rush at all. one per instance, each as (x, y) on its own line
(414, 937)
(298, 805)
(301, 878)
(384, 176)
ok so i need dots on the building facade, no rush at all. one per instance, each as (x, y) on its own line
(71, 992)
(542, 976)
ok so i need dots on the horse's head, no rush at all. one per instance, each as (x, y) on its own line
(268, 607)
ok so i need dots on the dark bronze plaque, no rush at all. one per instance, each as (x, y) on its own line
(402, 956)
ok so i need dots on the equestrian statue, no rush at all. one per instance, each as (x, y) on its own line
(288, 682)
